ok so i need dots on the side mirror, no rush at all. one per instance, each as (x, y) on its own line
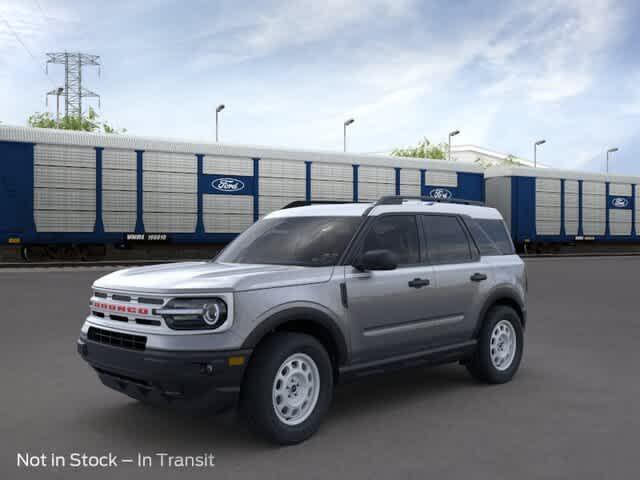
(376, 260)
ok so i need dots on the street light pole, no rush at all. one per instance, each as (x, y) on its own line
(219, 108)
(611, 150)
(452, 134)
(535, 152)
(59, 91)
(344, 133)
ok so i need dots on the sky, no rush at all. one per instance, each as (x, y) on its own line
(290, 72)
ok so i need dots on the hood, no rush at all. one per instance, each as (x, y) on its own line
(196, 277)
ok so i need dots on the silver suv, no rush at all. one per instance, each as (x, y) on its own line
(308, 297)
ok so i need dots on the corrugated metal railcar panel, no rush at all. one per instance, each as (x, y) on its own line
(169, 222)
(64, 221)
(331, 171)
(270, 204)
(119, 221)
(548, 214)
(620, 222)
(64, 177)
(64, 156)
(593, 228)
(571, 186)
(548, 199)
(547, 227)
(331, 190)
(118, 159)
(595, 188)
(409, 176)
(227, 204)
(373, 191)
(217, 165)
(282, 187)
(367, 174)
(411, 190)
(548, 185)
(226, 223)
(119, 201)
(571, 200)
(571, 228)
(169, 162)
(441, 178)
(637, 206)
(64, 199)
(170, 202)
(119, 179)
(169, 182)
(620, 189)
(282, 168)
(594, 202)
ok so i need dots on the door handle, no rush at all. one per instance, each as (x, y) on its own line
(478, 277)
(418, 282)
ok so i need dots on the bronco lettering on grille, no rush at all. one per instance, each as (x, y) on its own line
(112, 307)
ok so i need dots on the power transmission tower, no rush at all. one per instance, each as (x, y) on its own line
(74, 92)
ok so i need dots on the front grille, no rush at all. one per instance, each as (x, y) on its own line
(117, 339)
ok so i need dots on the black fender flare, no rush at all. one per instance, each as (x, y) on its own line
(502, 294)
(301, 313)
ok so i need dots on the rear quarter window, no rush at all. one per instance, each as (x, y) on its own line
(491, 236)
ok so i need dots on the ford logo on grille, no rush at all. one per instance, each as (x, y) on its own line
(620, 202)
(228, 184)
(440, 193)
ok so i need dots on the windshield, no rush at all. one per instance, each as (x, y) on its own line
(304, 241)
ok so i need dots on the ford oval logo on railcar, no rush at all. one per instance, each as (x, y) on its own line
(440, 194)
(619, 202)
(228, 185)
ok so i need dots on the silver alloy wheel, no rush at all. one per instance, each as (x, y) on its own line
(504, 345)
(296, 389)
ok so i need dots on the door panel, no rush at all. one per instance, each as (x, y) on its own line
(387, 316)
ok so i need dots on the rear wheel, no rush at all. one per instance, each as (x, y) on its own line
(288, 387)
(500, 346)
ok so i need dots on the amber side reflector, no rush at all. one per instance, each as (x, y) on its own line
(236, 361)
(14, 240)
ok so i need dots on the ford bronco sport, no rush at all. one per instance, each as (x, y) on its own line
(308, 297)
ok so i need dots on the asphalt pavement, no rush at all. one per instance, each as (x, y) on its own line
(571, 412)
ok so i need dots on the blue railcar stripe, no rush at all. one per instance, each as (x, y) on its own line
(355, 182)
(423, 180)
(606, 211)
(139, 190)
(200, 221)
(256, 189)
(99, 225)
(633, 210)
(307, 181)
(580, 229)
(398, 181)
(562, 215)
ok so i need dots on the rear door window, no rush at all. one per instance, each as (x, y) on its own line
(446, 239)
(397, 233)
(491, 236)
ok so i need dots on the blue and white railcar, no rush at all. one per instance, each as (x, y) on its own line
(61, 187)
(560, 206)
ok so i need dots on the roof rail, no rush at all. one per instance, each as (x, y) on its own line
(398, 199)
(307, 203)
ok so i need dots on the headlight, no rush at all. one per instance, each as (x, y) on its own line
(194, 313)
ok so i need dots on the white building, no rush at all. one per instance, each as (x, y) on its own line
(487, 157)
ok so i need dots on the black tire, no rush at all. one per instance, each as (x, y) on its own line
(256, 397)
(480, 365)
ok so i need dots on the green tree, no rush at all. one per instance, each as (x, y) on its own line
(88, 123)
(509, 161)
(424, 149)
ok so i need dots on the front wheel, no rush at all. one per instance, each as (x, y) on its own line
(288, 387)
(500, 346)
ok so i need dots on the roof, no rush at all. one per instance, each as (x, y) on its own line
(408, 206)
(492, 153)
(493, 172)
(66, 137)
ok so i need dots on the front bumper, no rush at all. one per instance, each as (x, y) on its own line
(180, 379)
